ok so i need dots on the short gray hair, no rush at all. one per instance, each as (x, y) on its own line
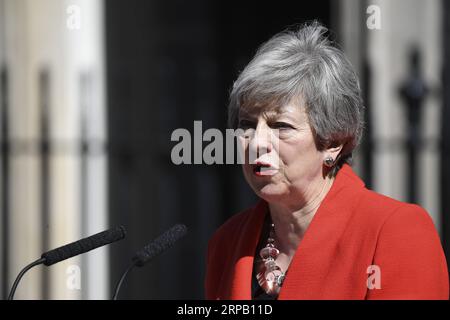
(305, 64)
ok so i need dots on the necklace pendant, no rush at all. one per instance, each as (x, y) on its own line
(269, 252)
(269, 274)
(271, 281)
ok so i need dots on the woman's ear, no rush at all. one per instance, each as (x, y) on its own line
(333, 152)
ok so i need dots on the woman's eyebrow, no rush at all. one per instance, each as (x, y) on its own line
(268, 114)
(245, 114)
(280, 114)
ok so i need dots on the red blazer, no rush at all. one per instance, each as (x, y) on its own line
(353, 229)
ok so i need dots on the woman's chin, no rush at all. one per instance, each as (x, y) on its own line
(271, 192)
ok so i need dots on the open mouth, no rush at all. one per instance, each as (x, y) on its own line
(263, 169)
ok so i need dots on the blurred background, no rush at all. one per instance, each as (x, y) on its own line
(91, 90)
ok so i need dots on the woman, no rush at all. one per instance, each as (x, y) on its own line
(317, 232)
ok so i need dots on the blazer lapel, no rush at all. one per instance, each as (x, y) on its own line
(245, 251)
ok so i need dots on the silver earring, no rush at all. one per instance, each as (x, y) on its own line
(329, 162)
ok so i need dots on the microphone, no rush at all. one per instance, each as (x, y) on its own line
(153, 249)
(72, 249)
(84, 245)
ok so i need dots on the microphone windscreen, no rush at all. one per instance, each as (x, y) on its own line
(160, 244)
(84, 245)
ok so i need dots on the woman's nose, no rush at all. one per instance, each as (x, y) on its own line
(261, 142)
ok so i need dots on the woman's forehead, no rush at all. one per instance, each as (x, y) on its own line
(255, 110)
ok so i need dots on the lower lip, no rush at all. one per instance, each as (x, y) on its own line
(265, 173)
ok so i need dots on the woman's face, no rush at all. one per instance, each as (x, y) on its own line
(282, 160)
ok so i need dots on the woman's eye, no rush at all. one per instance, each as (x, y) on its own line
(246, 124)
(282, 125)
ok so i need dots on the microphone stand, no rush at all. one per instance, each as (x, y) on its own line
(124, 275)
(20, 275)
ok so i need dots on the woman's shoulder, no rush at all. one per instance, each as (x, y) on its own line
(387, 210)
(373, 207)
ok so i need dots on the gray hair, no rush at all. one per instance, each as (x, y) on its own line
(305, 64)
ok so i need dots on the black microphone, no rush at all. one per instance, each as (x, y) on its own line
(153, 249)
(84, 245)
(72, 249)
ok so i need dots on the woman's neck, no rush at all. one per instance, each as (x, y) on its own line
(292, 221)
